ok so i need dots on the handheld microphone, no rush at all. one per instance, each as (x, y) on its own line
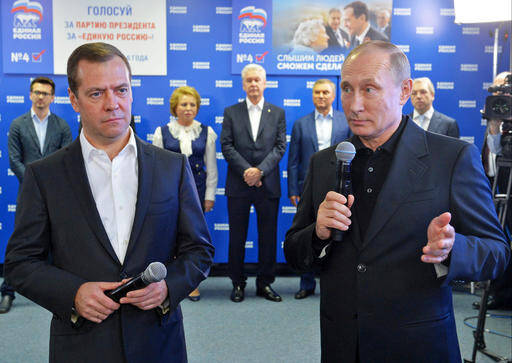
(156, 271)
(345, 153)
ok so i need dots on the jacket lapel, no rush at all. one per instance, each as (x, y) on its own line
(50, 132)
(406, 171)
(311, 131)
(265, 116)
(145, 161)
(335, 128)
(75, 169)
(433, 124)
(245, 118)
(32, 130)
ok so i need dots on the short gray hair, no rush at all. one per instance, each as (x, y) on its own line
(254, 68)
(308, 31)
(325, 81)
(400, 66)
(385, 12)
(426, 80)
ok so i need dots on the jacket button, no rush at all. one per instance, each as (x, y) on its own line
(361, 268)
(123, 275)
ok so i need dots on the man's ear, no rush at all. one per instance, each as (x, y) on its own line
(74, 100)
(405, 91)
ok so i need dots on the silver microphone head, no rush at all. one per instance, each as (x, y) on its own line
(156, 271)
(345, 152)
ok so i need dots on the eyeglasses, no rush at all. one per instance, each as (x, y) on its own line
(39, 93)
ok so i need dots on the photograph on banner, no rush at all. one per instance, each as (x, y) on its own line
(304, 37)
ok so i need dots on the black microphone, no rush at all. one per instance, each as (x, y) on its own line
(345, 153)
(156, 271)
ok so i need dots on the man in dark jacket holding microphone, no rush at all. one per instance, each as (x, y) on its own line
(421, 215)
(106, 207)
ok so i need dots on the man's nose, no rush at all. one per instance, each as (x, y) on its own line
(111, 102)
(357, 103)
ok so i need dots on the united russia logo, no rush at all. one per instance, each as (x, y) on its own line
(252, 21)
(27, 18)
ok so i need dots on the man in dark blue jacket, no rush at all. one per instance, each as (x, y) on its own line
(33, 136)
(316, 131)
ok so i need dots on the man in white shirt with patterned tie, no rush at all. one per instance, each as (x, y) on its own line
(424, 115)
(357, 22)
(338, 38)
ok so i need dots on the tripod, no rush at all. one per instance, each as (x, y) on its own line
(501, 203)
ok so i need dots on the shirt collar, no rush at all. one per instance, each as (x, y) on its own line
(428, 114)
(363, 34)
(328, 116)
(88, 150)
(250, 104)
(390, 145)
(35, 118)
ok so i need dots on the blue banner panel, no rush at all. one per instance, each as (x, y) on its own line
(27, 36)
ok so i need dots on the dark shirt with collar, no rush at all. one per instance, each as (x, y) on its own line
(369, 172)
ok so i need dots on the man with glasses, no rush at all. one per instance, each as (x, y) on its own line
(33, 136)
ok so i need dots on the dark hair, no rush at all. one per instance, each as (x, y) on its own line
(359, 9)
(92, 52)
(43, 80)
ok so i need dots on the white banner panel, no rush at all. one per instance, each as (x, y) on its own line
(137, 28)
(478, 11)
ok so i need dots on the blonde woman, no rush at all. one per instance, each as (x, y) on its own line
(187, 136)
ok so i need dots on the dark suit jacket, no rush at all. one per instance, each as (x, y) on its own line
(241, 152)
(333, 46)
(442, 124)
(372, 34)
(387, 31)
(376, 292)
(304, 143)
(23, 144)
(57, 214)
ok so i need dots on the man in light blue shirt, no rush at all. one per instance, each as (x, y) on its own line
(316, 131)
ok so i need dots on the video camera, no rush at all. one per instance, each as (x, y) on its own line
(498, 106)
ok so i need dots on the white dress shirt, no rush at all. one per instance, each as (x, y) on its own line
(339, 38)
(254, 115)
(359, 39)
(114, 186)
(41, 126)
(323, 129)
(423, 121)
(187, 134)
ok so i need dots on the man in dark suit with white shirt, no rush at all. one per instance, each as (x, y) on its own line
(315, 131)
(33, 136)
(383, 22)
(356, 20)
(424, 115)
(105, 207)
(338, 38)
(253, 141)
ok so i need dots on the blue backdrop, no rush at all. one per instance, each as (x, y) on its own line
(458, 59)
